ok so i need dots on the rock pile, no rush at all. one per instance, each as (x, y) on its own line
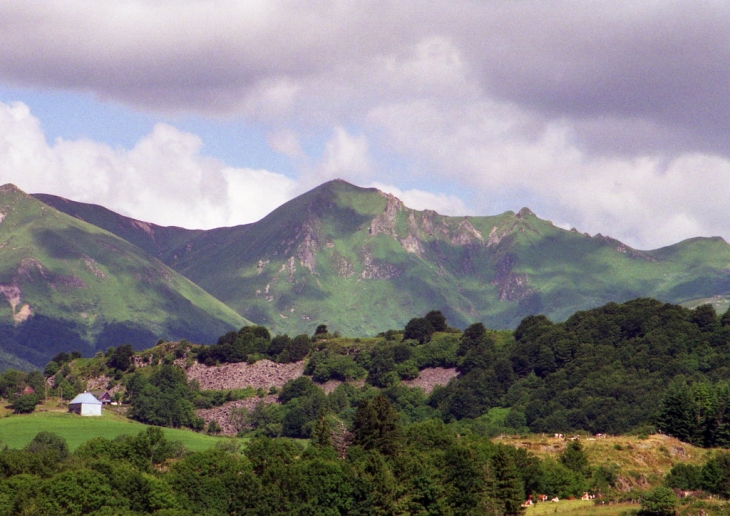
(222, 414)
(431, 377)
(262, 374)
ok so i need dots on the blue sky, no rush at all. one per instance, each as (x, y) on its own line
(610, 118)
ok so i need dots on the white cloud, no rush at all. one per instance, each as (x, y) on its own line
(163, 179)
(644, 201)
(252, 194)
(345, 156)
(422, 200)
(286, 142)
(517, 160)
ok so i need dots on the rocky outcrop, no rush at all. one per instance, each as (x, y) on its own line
(431, 377)
(373, 269)
(385, 222)
(263, 374)
(466, 234)
(512, 286)
(307, 251)
(222, 414)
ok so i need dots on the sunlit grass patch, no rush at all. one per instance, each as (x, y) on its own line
(18, 430)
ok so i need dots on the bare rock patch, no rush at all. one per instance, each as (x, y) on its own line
(262, 374)
(431, 377)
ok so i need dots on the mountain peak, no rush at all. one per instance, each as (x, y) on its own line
(10, 188)
(525, 212)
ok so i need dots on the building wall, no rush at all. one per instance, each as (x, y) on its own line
(90, 410)
(85, 409)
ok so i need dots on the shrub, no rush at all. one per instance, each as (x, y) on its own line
(660, 501)
(25, 404)
(48, 442)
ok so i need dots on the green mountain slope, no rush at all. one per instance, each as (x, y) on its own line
(66, 284)
(158, 241)
(360, 261)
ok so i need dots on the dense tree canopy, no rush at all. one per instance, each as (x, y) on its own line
(163, 399)
(385, 448)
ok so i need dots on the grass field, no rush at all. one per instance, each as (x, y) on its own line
(580, 508)
(18, 430)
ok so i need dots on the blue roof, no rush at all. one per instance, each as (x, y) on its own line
(85, 397)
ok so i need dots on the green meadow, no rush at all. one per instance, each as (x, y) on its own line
(18, 430)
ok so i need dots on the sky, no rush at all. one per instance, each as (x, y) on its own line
(610, 117)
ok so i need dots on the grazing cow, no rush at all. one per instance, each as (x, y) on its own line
(542, 498)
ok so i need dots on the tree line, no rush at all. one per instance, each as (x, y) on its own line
(603, 370)
(386, 468)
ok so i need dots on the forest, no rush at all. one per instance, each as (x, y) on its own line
(639, 366)
(376, 446)
(389, 468)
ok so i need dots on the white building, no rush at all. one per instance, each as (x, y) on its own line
(85, 404)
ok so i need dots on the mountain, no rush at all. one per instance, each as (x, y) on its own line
(360, 261)
(70, 285)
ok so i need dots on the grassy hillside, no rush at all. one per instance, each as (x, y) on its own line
(156, 240)
(641, 460)
(67, 284)
(360, 261)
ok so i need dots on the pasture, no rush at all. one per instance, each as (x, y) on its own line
(579, 508)
(18, 430)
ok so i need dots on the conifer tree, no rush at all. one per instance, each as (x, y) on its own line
(574, 458)
(321, 435)
(376, 426)
(509, 488)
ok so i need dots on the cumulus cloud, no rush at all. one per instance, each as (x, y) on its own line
(345, 156)
(163, 179)
(286, 142)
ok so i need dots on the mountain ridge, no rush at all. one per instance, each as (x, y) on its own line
(68, 285)
(360, 260)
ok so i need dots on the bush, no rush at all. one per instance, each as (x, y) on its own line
(324, 366)
(440, 352)
(660, 501)
(48, 442)
(25, 404)
(297, 388)
(419, 329)
(51, 369)
(295, 350)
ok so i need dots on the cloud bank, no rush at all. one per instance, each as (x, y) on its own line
(163, 179)
(608, 117)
